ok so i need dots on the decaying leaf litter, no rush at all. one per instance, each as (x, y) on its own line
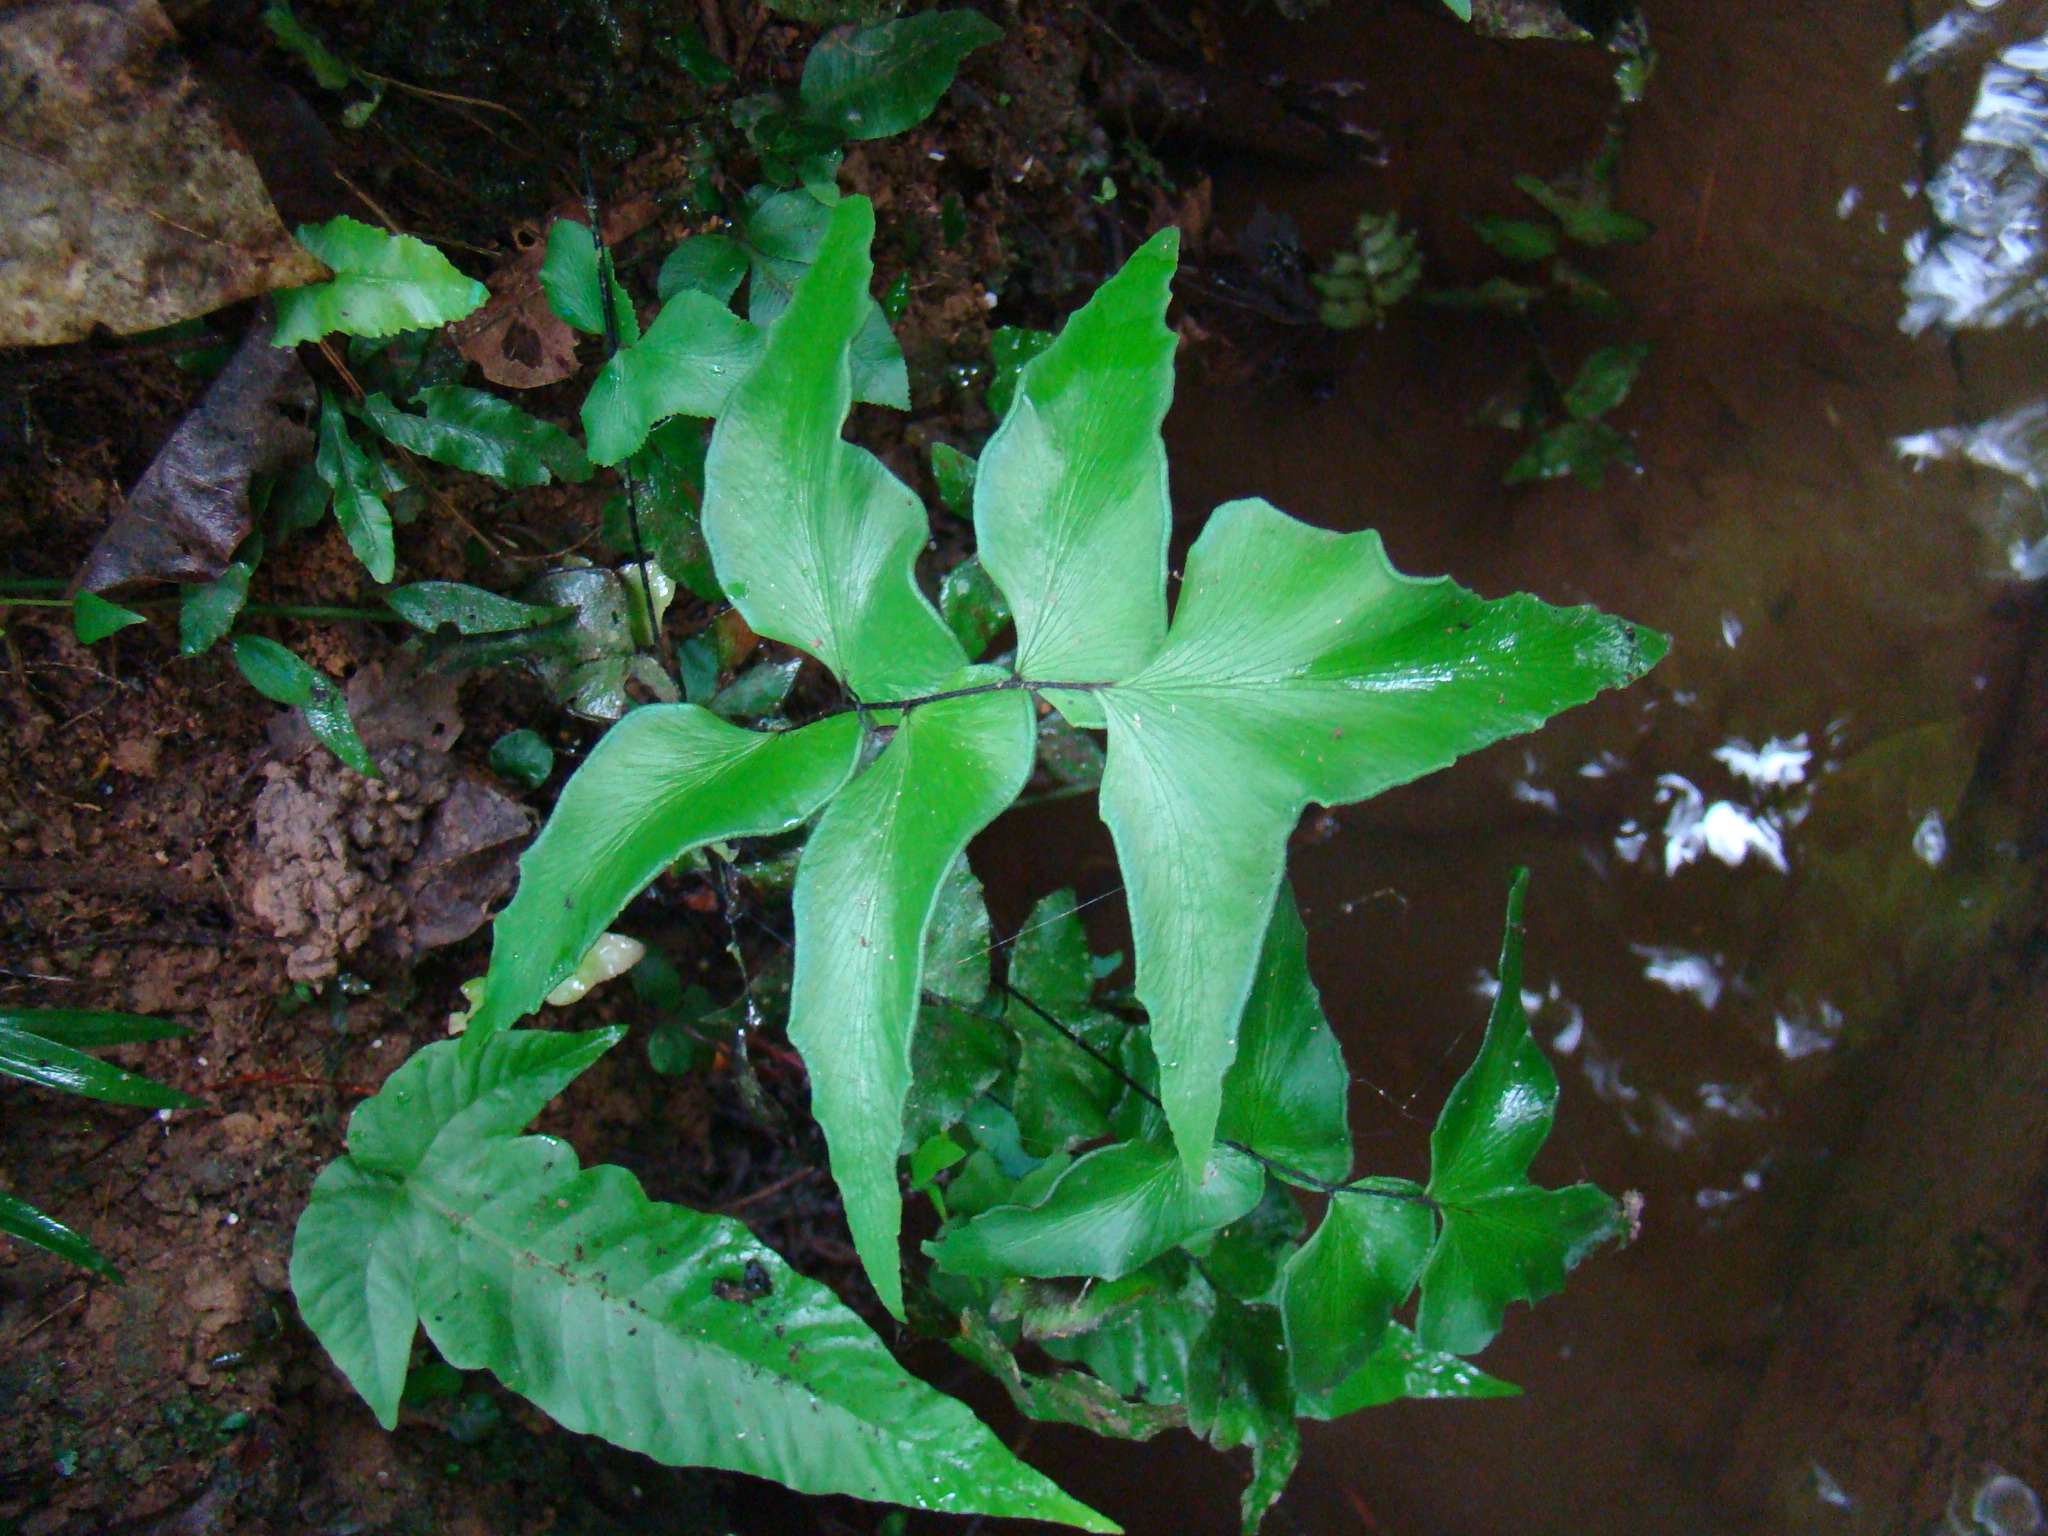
(295, 950)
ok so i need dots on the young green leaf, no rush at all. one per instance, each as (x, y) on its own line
(1586, 213)
(953, 472)
(569, 277)
(1400, 1368)
(84, 1028)
(1144, 1351)
(427, 605)
(665, 1331)
(357, 506)
(481, 433)
(1300, 667)
(1064, 1090)
(1070, 503)
(1582, 449)
(687, 364)
(871, 82)
(208, 612)
(815, 541)
(526, 759)
(1115, 1210)
(21, 1220)
(866, 894)
(666, 779)
(1604, 380)
(282, 678)
(783, 235)
(93, 618)
(707, 264)
(383, 284)
(1287, 1093)
(1504, 1239)
(1518, 239)
(1342, 1286)
(1240, 1393)
(293, 35)
(35, 1058)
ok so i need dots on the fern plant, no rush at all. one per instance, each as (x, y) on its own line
(1297, 666)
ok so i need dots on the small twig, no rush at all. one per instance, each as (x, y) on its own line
(55, 1312)
(367, 201)
(767, 1191)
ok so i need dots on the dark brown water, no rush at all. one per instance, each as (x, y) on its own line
(1825, 1065)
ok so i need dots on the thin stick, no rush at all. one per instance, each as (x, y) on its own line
(800, 1176)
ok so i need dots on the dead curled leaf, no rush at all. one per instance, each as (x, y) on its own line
(124, 201)
(515, 338)
(191, 506)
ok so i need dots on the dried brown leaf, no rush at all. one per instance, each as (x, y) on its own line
(515, 338)
(124, 201)
(191, 506)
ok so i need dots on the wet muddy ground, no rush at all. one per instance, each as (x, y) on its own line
(1821, 1065)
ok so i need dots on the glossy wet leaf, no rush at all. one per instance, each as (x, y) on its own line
(570, 277)
(207, 613)
(1063, 1397)
(1010, 348)
(383, 284)
(957, 944)
(283, 678)
(1070, 503)
(351, 475)
(613, 1313)
(1244, 1258)
(664, 780)
(815, 541)
(1301, 667)
(1585, 450)
(428, 605)
(1113, 1211)
(1065, 1088)
(687, 364)
(707, 264)
(871, 82)
(1343, 1285)
(19, 1219)
(84, 1028)
(758, 691)
(35, 1058)
(957, 1055)
(953, 472)
(477, 431)
(1400, 1368)
(1144, 1351)
(1518, 239)
(94, 618)
(667, 480)
(1504, 1239)
(1287, 1093)
(973, 606)
(1240, 1392)
(524, 757)
(1604, 380)
(865, 896)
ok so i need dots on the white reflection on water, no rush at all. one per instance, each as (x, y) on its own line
(1726, 830)
(1777, 764)
(1680, 971)
(1982, 268)
(1803, 1032)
